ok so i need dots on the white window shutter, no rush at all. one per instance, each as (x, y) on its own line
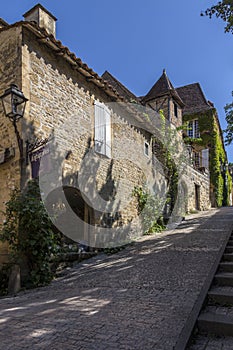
(99, 128)
(205, 158)
(102, 130)
(108, 133)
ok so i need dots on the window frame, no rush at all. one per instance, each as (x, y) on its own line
(193, 129)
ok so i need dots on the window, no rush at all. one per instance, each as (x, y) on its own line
(146, 149)
(196, 159)
(205, 158)
(175, 110)
(193, 129)
(102, 129)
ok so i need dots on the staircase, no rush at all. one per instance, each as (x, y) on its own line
(215, 322)
(217, 316)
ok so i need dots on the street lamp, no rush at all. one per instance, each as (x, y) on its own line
(14, 102)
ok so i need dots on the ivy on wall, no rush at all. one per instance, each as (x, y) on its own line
(211, 138)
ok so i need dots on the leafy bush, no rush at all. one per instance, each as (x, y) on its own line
(149, 208)
(28, 231)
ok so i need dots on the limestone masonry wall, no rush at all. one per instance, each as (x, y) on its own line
(10, 72)
(62, 104)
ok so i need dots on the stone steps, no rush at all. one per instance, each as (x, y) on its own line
(229, 249)
(215, 324)
(226, 266)
(224, 279)
(221, 296)
(217, 316)
(227, 257)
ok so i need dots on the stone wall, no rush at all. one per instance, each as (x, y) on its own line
(61, 103)
(195, 178)
(10, 72)
(166, 104)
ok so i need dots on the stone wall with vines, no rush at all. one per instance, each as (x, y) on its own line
(211, 138)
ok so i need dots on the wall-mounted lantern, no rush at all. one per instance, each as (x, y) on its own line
(14, 103)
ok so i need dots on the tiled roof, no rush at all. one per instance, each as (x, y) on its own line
(134, 117)
(162, 87)
(60, 50)
(120, 88)
(3, 23)
(194, 99)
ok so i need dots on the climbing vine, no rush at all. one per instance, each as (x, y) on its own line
(211, 138)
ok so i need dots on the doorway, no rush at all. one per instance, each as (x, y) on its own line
(197, 197)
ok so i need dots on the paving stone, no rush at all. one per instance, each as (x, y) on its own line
(139, 298)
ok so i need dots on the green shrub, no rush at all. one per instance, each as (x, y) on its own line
(28, 231)
(149, 208)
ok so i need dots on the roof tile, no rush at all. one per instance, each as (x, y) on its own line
(194, 99)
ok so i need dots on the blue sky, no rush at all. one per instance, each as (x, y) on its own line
(135, 40)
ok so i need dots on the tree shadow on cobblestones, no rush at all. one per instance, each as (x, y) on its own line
(137, 298)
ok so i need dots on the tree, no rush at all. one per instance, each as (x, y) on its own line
(224, 10)
(229, 120)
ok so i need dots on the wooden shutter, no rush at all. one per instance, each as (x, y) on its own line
(102, 129)
(108, 133)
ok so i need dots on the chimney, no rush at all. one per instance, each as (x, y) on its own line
(42, 17)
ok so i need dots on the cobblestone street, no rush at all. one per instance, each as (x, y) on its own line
(139, 298)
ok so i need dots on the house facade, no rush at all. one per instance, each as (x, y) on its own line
(204, 138)
(87, 144)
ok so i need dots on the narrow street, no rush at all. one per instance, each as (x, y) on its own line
(143, 297)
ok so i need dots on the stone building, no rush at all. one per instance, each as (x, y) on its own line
(205, 140)
(163, 96)
(187, 107)
(89, 146)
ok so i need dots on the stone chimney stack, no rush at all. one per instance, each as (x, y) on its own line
(42, 17)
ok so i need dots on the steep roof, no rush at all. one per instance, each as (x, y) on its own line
(119, 87)
(194, 99)
(162, 87)
(3, 23)
(134, 115)
(60, 50)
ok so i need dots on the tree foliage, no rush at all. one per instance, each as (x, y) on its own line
(229, 120)
(224, 10)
